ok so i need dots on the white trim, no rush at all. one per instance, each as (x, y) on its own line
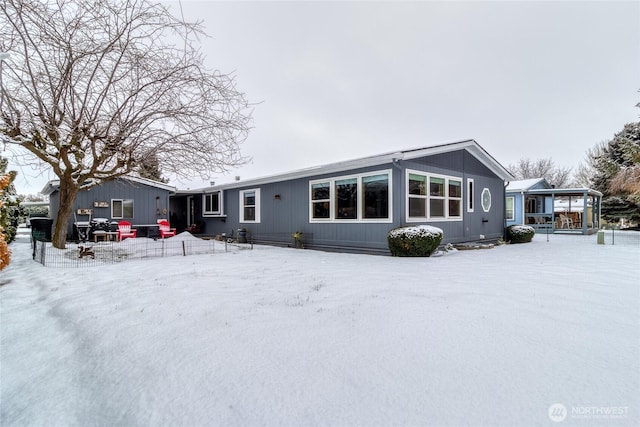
(427, 198)
(220, 211)
(359, 202)
(470, 195)
(122, 207)
(485, 208)
(470, 146)
(241, 194)
(513, 208)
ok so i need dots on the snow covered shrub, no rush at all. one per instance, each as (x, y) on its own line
(419, 240)
(520, 233)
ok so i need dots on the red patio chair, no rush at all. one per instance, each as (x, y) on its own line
(165, 229)
(124, 230)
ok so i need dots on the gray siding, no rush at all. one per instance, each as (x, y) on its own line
(281, 216)
(149, 203)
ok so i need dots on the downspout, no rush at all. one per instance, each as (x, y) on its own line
(504, 195)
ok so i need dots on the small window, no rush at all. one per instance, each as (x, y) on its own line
(121, 208)
(250, 205)
(486, 200)
(455, 198)
(212, 204)
(469, 195)
(417, 195)
(321, 200)
(509, 208)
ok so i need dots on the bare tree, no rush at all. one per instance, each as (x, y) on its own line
(89, 88)
(584, 175)
(541, 168)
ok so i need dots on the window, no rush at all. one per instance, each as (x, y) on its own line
(212, 204)
(509, 205)
(347, 198)
(469, 195)
(455, 198)
(250, 205)
(486, 200)
(121, 208)
(376, 196)
(417, 196)
(436, 197)
(321, 200)
(442, 201)
(363, 197)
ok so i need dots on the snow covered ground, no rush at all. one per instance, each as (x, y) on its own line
(544, 333)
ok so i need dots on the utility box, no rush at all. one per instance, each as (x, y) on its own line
(601, 237)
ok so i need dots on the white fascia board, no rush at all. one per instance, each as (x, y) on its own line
(150, 183)
(470, 145)
(312, 171)
(54, 184)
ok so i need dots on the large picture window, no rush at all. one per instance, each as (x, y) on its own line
(364, 197)
(375, 202)
(212, 203)
(121, 208)
(250, 205)
(433, 197)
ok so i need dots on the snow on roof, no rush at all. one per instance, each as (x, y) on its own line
(54, 184)
(469, 145)
(524, 184)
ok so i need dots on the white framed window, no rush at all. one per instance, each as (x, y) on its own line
(353, 198)
(486, 200)
(470, 194)
(121, 208)
(212, 204)
(250, 205)
(432, 197)
(510, 208)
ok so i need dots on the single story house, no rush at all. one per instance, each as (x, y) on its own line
(350, 206)
(136, 200)
(570, 210)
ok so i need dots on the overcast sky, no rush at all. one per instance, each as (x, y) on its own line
(340, 80)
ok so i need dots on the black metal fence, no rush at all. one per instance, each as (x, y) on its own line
(89, 254)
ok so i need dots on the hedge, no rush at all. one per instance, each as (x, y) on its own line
(419, 240)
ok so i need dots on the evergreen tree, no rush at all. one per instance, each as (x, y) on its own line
(615, 164)
(8, 212)
(149, 168)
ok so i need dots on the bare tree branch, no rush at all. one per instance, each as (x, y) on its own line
(91, 88)
(541, 168)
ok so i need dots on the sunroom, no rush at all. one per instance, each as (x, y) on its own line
(554, 210)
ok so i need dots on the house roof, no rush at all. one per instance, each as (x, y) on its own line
(526, 184)
(469, 145)
(53, 185)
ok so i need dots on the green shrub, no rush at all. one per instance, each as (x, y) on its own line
(419, 240)
(520, 233)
